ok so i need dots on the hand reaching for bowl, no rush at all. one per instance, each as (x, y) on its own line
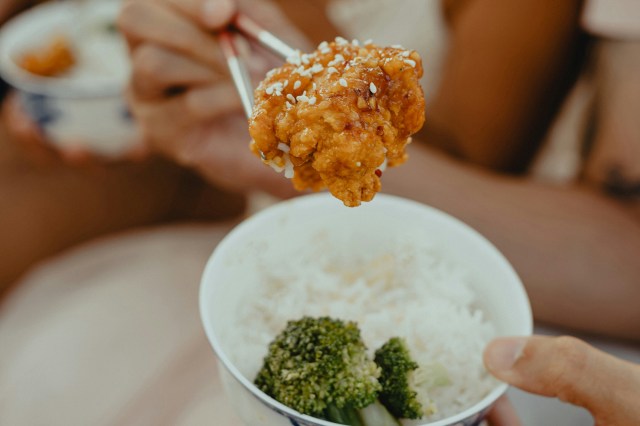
(569, 369)
(180, 92)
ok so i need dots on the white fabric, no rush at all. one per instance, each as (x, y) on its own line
(612, 18)
(110, 334)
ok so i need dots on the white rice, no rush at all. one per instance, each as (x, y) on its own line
(413, 293)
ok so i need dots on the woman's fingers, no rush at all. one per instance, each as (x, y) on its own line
(503, 414)
(210, 14)
(209, 102)
(157, 70)
(217, 148)
(571, 370)
(166, 121)
(158, 23)
(220, 152)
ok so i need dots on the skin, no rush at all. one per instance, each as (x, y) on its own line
(580, 374)
(569, 223)
(537, 224)
(533, 224)
(500, 90)
(85, 196)
(50, 204)
(552, 235)
(201, 125)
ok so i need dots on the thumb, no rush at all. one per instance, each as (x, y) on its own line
(571, 370)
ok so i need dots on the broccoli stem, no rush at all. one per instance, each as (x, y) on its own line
(372, 415)
(346, 415)
(377, 415)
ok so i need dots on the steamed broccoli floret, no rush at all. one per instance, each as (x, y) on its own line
(405, 384)
(320, 367)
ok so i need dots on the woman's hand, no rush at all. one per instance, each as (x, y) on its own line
(180, 92)
(569, 369)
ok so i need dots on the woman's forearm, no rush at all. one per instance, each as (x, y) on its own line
(575, 248)
(47, 210)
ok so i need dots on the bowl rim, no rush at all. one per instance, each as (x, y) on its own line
(276, 209)
(60, 87)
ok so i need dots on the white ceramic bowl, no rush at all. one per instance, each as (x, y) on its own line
(274, 236)
(86, 108)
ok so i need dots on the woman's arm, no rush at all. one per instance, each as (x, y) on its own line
(507, 67)
(47, 208)
(575, 248)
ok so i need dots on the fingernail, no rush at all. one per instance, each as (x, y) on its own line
(502, 353)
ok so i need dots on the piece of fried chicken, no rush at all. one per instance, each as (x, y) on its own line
(337, 117)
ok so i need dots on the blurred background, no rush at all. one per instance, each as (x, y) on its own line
(105, 227)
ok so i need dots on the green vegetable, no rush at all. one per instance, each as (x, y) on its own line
(320, 367)
(405, 384)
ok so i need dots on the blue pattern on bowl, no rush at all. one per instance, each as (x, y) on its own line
(41, 108)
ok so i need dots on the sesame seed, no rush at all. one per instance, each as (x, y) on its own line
(302, 98)
(316, 68)
(410, 62)
(332, 70)
(340, 41)
(355, 42)
(397, 46)
(273, 163)
(406, 53)
(337, 60)
(323, 45)
(314, 86)
(294, 58)
(343, 82)
(269, 90)
(288, 104)
(283, 147)
(297, 85)
(368, 42)
(312, 100)
(291, 98)
(373, 88)
(289, 171)
(358, 164)
(286, 83)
